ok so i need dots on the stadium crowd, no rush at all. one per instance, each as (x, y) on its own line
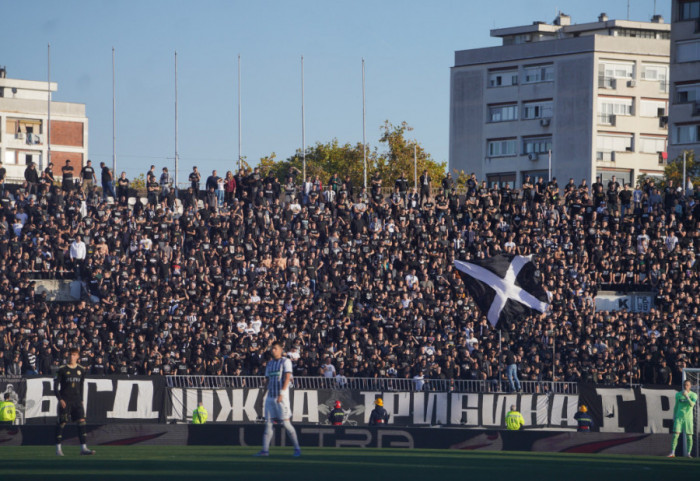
(354, 282)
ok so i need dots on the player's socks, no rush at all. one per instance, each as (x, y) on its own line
(674, 442)
(292, 434)
(59, 451)
(689, 443)
(267, 437)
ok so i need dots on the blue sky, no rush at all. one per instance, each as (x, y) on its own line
(408, 47)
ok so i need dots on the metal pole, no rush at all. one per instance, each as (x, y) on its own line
(239, 112)
(303, 124)
(549, 168)
(114, 121)
(500, 353)
(683, 179)
(554, 357)
(364, 127)
(415, 167)
(48, 101)
(176, 156)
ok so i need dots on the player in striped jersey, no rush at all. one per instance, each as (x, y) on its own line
(279, 375)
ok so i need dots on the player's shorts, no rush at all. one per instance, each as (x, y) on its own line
(683, 424)
(73, 412)
(277, 411)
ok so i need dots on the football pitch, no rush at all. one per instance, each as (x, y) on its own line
(134, 463)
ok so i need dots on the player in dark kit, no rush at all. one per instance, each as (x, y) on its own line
(68, 388)
(337, 415)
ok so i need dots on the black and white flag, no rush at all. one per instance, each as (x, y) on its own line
(504, 287)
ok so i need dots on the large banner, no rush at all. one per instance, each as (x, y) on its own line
(405, 408)
(640, 409)
(141, 399)
(106, 399)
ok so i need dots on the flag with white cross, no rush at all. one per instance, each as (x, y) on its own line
(505, 287)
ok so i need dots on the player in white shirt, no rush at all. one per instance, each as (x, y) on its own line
(279, 376)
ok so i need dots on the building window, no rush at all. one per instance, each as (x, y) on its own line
(542, 109)
(607, 143)
(689, 10)
(616, 70)
(687, 93)
(535, 175)
(688, 51)
(686, 134)
(503, 78)
(501, 147)
(658, 73)
(537, 145)
(503, 113)
(652, 145)
(538, 73)
(500, 180)
(652, 108)
(609, 107)
(624, 177)
(631, 32)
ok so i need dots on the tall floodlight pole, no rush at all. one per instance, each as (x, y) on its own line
(364, 125)
(176, 154)
(114, 121)
(239, 112)
(48, 101)
(303, 124)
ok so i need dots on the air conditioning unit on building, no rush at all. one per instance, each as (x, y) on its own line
(19, 135)
(631, 83)
(544, 122)
(533, 156)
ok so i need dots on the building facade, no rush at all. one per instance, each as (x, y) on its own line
(684, 114)
(24, 115)
(590, 100)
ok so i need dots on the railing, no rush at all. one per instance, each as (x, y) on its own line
(374, 384)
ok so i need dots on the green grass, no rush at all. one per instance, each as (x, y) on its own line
(174, 463)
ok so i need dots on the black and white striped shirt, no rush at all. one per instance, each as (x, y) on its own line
(274, 372)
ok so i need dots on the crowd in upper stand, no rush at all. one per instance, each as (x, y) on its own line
(353, 282)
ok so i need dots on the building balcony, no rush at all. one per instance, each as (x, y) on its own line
(631, 123)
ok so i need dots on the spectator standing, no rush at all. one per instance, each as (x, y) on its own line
(78, 251)
(31, 176)
(67, 176)
(123, 189)
(166, 184)
(195, 179)
(512, 370)
(88, 177)
(107, 182)
(425, 186)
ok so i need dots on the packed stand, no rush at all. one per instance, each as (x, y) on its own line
(354, 283)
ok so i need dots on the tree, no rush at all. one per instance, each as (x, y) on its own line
(325, 159)
(399, 157)
(674, 171)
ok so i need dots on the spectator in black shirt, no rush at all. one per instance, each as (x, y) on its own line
(87, 175)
